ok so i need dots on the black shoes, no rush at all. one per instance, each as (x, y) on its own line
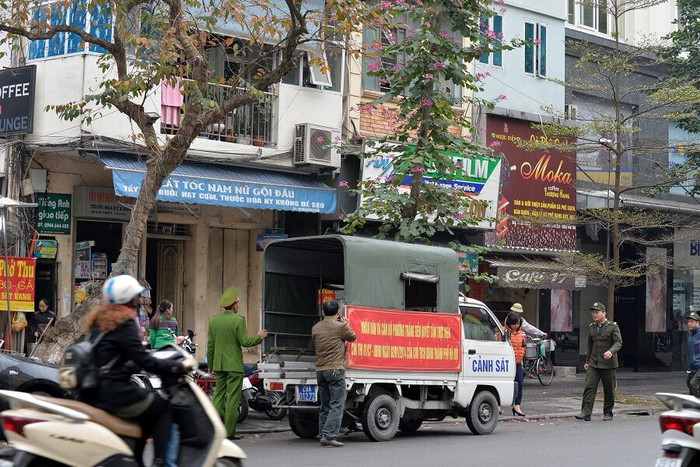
(519, 414)
(607, 417)
(583, 416)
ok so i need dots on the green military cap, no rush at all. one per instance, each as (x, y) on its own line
(598, 306)
(693, 315)
(228, 297)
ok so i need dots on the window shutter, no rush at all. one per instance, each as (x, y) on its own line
(529, 48)
(543, 51)
(369, 36)
(498, 29)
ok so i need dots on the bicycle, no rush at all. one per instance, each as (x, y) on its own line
(537, 360)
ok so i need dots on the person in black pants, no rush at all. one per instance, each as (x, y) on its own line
(120, 344)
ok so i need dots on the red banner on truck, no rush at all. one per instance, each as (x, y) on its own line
(21, 273)
(404, 340)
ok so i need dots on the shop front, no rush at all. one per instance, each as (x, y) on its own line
(204, 234)
(536, 214)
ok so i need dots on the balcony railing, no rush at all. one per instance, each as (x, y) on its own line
(249, 124)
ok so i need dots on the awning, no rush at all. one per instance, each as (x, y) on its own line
(222, 185)
(537, 274)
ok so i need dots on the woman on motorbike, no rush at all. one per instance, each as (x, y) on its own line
(164, 328)
(121, 343)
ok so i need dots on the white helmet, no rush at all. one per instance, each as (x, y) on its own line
(120, 290)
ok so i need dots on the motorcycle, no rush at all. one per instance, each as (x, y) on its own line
(261, 399)
(45, 430)
(681, 430)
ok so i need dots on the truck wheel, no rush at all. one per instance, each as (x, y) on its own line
(410, 426)
(380, 418)
(482, 415)
(304, 423)
(243, 409)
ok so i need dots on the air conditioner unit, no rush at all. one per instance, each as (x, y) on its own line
(570, 112)
(314, 144)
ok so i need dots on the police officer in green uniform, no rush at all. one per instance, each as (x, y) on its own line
(604, 341)
(227, 333)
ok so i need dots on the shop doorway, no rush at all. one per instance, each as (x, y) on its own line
(165, 267)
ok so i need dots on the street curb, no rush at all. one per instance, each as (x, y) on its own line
(637, 410)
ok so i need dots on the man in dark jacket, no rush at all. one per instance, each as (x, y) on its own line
(330, 336)
(604, 342)
(693, 354)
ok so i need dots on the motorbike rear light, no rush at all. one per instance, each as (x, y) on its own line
(276, 386)
(682, 424)
(17, 424)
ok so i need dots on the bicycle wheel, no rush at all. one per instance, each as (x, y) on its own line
(545, 370)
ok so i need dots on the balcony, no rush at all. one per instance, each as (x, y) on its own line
(249, 124)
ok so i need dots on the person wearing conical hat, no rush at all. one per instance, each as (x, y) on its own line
(527, 328)
(227, 334)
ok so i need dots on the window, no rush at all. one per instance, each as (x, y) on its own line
(374, 38)
(492, 25)
(97, 21)
(478, 324)
(420, 291)
(328, 77)
(536, 52)
(591, 14)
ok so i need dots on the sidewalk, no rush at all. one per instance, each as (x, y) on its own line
(561, 399)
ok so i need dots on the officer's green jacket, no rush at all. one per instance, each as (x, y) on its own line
(227, 334)
(609, 338)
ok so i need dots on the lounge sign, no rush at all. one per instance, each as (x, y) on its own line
(17, 87)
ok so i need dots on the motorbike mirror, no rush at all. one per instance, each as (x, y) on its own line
(190, 333)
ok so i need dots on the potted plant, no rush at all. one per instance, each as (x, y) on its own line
(242, 126)
(261, 117)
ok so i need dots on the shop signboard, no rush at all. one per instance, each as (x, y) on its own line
(519, 277)
(53, 213)
(537, 205)
(477, 176)
(396, 340)
(21, 276)
(45, 249)
(265, 238)
(17, 88)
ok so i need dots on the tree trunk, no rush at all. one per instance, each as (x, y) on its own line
(68, 330)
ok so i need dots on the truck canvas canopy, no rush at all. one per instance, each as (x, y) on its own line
(300, 273)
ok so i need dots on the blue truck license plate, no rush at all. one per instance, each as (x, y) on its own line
(306, 393)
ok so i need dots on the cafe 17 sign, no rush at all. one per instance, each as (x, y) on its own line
(17, 275)
(538, 186)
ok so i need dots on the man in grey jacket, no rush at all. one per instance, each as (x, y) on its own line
(330, 336)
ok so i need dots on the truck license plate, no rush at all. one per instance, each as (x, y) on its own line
(306, 393)
(668, 462)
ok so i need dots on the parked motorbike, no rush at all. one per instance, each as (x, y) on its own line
(45, 430)
(258, 398)
(681, 431)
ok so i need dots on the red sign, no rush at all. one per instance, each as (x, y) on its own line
(537, 205)
(404, 340)
(21, 273)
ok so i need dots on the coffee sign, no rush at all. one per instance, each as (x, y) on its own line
(17, 87)
(54, 213)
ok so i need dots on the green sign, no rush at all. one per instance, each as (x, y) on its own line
(53, 215)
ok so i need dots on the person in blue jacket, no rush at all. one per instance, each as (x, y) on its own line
(693, 381)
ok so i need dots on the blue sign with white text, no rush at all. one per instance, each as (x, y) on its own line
(241, 194)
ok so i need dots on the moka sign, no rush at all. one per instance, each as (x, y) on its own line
(17, 88)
